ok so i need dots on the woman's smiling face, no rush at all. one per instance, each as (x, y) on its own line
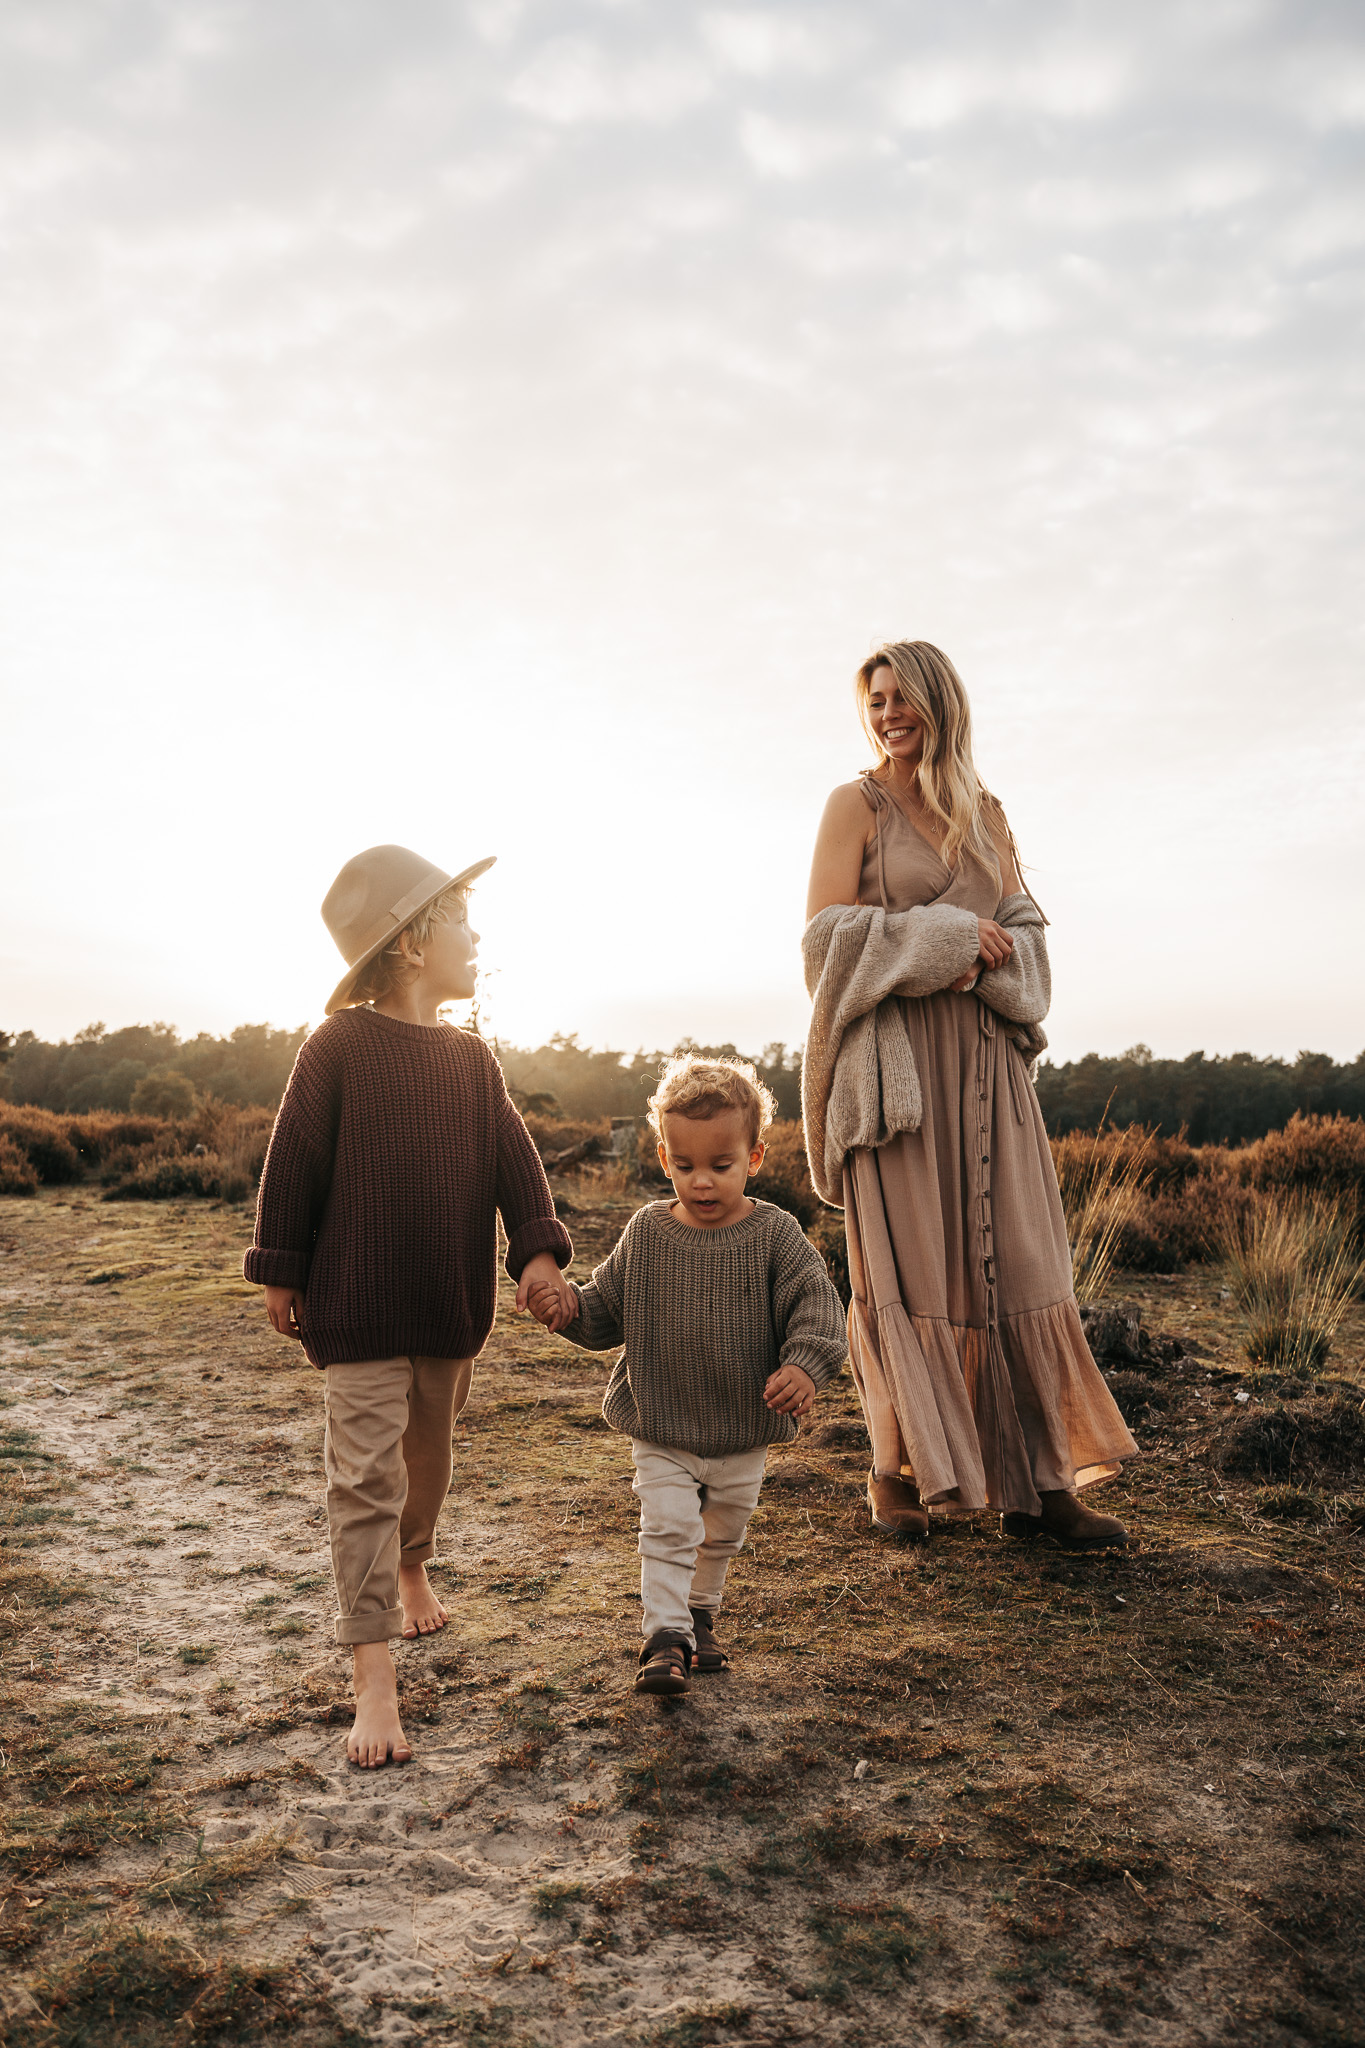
(893, 721)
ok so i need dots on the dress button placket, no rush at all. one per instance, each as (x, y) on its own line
(984, 1036)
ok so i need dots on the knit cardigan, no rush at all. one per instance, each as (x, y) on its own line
(859, 1085)
(395, 1146)
(706, 1316)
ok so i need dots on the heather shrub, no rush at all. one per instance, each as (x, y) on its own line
(17, 1176)
(828, 1236)
(1321, 1154)
(784, 1177)
(99, 1132)
(1084, 1157)
(551, 1134)
(159, 1180)
(42, 1138)
(1180, 1227)
(121, 1160)
(240, 1135)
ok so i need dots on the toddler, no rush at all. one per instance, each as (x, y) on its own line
(730, 1326)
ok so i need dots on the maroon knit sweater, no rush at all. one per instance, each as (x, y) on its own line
(394, 1145)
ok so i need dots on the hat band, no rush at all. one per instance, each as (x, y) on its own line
(413, 901)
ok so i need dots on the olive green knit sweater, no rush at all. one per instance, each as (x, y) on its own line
(706, 1316)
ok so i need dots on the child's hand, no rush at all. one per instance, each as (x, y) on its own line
(790, 1391)
(546, 1293)
(556, 1307)
(284, 1305)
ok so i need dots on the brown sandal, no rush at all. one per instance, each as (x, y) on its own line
(664, 1664)
(709, 1654)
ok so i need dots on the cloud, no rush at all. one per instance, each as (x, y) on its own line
(572, 80)
(577, 390)
(756, 42)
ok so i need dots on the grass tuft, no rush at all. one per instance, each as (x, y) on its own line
(1295, 1272)
(204, 1884)
(1102, 1186)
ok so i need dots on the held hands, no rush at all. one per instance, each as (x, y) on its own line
(546, 1293)
(283, 1306)
(790, 1391)
(996, 946)
(555, 1306)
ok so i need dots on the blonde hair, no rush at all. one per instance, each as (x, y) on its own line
(390, 969)
(952, 791)
(694, 1087)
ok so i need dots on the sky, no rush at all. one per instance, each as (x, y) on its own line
(504, 427)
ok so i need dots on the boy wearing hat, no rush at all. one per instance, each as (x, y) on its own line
(395, 1145)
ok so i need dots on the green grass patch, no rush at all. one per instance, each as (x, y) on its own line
(140, 1989)
(869, 1947)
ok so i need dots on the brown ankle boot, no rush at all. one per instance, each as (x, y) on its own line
(1065, 1522)
(897, 1509)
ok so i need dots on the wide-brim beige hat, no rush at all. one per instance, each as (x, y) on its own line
(373, 897)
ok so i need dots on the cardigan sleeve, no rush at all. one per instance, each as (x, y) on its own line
(298, 1169)
(523, 1194)
(1021, 990)
(807, 1313)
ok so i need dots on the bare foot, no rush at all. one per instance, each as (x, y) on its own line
(378, 1732)
(423, 1613)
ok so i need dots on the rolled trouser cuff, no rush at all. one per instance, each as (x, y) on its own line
(417, 1553)
(369, 1628)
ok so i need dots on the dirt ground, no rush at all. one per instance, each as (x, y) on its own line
(966, 1793)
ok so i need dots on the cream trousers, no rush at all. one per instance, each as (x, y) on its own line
(387, 1455)
(693, 1514)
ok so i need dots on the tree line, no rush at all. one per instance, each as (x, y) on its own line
(149, 1068)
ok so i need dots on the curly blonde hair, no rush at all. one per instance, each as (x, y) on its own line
(390, 969)
(694, 1087)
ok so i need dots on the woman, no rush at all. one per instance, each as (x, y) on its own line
(975, 1378)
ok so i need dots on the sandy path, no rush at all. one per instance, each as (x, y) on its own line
(1078, 1789)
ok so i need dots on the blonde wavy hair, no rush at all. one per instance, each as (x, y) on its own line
(950, 787)
(390, 969)
(691, 1086)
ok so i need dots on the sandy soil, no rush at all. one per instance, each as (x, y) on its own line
(968, 1793)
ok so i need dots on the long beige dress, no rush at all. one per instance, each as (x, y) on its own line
(965, 1338)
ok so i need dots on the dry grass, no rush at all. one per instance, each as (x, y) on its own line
(140, 1989)
(218, 1151)
(1102, 1186)
(1104, 1797)
(1293, 1266)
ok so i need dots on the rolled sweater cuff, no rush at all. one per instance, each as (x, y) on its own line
(821, 1369)
(264, 1268)
(540, 1234)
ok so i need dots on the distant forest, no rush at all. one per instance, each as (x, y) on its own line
(149, 1068)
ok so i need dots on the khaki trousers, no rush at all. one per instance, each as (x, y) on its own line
(387, 1455)
(693, 1515)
